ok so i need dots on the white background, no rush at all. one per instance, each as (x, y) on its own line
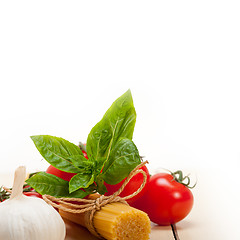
(62, 64)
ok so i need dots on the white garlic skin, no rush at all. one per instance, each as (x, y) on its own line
(30, 218)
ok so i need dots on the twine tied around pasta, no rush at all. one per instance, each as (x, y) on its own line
(90, 206)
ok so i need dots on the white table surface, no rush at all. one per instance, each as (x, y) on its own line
(215, 214)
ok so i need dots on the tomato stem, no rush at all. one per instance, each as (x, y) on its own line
(178, 176)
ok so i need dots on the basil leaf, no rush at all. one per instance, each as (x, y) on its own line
(123, 158)
(49, 184)
(118, 121)
(81, 180)
(80, 162)
(57, 151)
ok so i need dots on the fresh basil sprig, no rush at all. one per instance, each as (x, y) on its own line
(45, 183)
(112, 155)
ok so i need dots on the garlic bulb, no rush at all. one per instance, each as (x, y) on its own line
(29, 218)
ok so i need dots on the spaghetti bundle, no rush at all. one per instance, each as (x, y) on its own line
(107, 217)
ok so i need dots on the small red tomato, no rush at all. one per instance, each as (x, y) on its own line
(64, 175)
(28, 187)
(132, 186)
(166, 201)
(33, 194)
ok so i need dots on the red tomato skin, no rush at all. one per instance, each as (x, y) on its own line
(64, 175)
(33, 194)
(131, 187)
(165, 201)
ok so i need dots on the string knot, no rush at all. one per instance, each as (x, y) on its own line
(99, 203)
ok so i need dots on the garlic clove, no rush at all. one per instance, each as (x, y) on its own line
(29, 218)
(19, 179)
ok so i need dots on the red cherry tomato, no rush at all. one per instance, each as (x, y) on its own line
(33, 194)
(166, 201)
(29, 194)
(64, 175)
(131, 187)
(28, 187)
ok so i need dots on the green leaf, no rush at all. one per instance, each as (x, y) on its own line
(123, 158)
(101, 188)
(81, 180)
(57, 151)
(80, 162)
(46, 183)
(118, 121)
(109, 148)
